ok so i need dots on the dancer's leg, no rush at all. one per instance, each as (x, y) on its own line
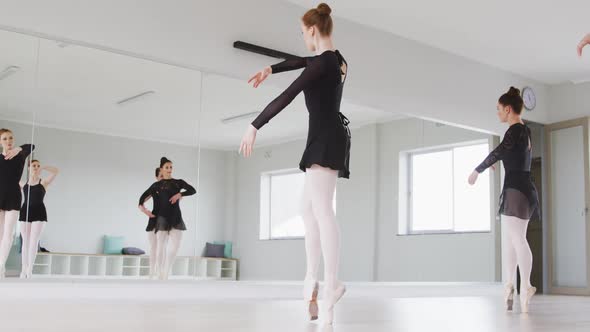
(25, 232)
(174, 240)
(35, 236)
(10, 220)
(162, 237)
(153, 253)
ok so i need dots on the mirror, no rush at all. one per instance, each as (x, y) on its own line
(103, 122)
(408, 187)
(18, 65)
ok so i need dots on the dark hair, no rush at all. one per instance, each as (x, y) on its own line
(319, 17)
(513, 99)
(157, 171)
(34, 161)
(164, 161)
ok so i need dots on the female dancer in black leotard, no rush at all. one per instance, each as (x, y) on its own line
(151, 230)
(33, 215)
(12, 164)
(169, 223)
(519, 200)
(326, 156)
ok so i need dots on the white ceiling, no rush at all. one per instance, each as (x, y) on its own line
(78, 89)
(533, 38)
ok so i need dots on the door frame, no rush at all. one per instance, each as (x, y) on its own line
(584, 123)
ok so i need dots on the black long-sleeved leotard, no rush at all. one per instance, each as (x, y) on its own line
(328, 140)
(519, 196)
(168, 215)
(11, 172)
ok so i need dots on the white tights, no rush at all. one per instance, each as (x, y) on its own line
(31, 234)
(167, 247)
(516, 252)
(8, 221)
(153, 253)
(322, 234)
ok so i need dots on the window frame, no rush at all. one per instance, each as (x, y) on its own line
(409, 229)
(266, 205)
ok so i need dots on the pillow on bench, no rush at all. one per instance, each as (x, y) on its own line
(113, 245)
(133, 251)
(214, 250)
(228, 248)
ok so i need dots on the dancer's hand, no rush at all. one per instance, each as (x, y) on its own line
(248, 141)
(585, 41)
(146, 211)
(175, 198)
(13, 153)
(473, 178)
(260, 76)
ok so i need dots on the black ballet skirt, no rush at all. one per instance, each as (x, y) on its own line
(519, 196)
(168, 215)
(151, 226)
(11, 172)
(34, 205)
(328, 139)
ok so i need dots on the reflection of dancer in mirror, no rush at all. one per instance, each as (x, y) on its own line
(169, 224)
(33, 214)
(585, 41)
(326, 156)
(12, 164)
(151, 230)
(519, 200)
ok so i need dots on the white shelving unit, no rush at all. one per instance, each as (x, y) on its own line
(126, 266)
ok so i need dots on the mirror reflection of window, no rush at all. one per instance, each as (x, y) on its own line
(280, 216)
(440, 199)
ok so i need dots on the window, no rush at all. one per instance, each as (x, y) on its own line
(439, 198)
(280, 205)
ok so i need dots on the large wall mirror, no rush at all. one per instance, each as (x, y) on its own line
(101, 122)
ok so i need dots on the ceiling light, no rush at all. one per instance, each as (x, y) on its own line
(10, 70)
(135, 98)
(581, 81)
(240, 117)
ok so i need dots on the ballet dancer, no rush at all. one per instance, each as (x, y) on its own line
(326, 156)
(519, 199)
(12, 164)
(169, 224)
(33, 215)
(151, 230)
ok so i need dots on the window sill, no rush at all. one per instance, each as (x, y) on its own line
(283, 238)
(445, 233)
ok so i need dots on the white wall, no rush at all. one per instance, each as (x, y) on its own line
(212, 199)
(386, 71)
(366, 212)
(454, 257)
(101, 179)
(569, 101)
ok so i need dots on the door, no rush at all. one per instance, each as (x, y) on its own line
(568, 191)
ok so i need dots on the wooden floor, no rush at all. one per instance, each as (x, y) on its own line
(69, 305)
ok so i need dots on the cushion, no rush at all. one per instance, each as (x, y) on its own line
(227, 253)
(113, 245)
(133, 251)
(214, 250)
